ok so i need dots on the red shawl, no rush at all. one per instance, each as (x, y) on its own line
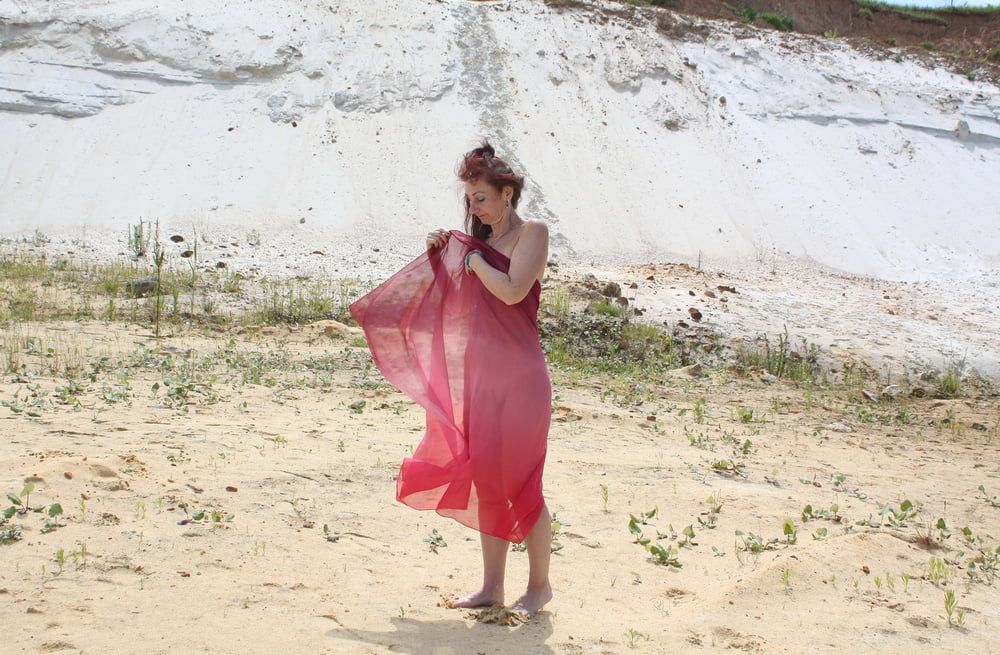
(476, 366)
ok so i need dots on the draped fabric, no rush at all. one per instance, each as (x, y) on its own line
(477, 368)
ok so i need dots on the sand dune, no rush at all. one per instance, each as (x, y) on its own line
(640, 143)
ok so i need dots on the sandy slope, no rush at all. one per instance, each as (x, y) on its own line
(299, 459)
(639, 144)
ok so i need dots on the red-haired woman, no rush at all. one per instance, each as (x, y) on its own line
(457, 330)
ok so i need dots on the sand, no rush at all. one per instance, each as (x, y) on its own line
(703, 139)
(312, 554)
(847, 196)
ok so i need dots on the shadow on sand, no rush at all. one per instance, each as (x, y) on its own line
(455, 636)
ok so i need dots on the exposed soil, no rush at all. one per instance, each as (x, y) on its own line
(970, 40)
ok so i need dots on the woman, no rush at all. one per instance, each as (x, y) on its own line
(457, 331)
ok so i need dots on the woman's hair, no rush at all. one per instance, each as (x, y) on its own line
(483, 164)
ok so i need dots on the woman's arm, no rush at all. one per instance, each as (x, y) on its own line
(527, 263)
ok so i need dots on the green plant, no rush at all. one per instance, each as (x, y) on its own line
(745, 414)
(688, 539)
(138, 239)
(79, 554)
(434, 541)
(956, 615)
(984, 565)
(52, 522)
(604, 307)
(604, 496)
(778, 21)
(786, 577)
(214, 516)
(992, 501)
(830, 33)
(933, 536)
(809, 514)
(729, 467)
(556, 530)
(950, 384)
(10, 534)
(60, 558)
(159, 259)
(643, 519)
(19, 503)
(939, 570)
(791, 532)
(754, 543)
(782, 361)
(745, 13)
(699, 410)
(664, 556)
(632, 637)
(329, 536)
(898, 518)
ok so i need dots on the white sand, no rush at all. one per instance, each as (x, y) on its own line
(120, 110)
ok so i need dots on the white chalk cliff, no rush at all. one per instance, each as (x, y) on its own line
(642, 140)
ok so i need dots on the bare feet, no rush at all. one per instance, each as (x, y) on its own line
(533, 600)
(482, 598)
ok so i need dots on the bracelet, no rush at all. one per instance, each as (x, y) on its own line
(469, 255)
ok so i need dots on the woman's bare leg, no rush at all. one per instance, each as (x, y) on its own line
(539, 544)
(494, 566)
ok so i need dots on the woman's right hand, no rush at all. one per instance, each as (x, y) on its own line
(437, 238)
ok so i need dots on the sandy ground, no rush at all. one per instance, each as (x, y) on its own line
(903, 329)
(274, 442)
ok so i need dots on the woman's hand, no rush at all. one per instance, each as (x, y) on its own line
(437, 238)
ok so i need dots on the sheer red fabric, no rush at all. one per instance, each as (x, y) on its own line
(476, 366)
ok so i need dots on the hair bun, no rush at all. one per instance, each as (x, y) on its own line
(486, 149)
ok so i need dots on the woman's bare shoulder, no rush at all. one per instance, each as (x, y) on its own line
(535, 229)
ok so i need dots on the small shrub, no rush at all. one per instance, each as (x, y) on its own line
(781, 361)
(604, 339)
(778, 21)
(605, 307)
(950, 384)
(746, 13)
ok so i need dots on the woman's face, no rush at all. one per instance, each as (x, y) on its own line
(487, 203)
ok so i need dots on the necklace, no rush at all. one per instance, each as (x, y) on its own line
(496, 237)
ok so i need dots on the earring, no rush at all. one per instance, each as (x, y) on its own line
(508, 203)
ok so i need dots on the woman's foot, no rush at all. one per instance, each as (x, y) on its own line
(533, 600)
(482, 598)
